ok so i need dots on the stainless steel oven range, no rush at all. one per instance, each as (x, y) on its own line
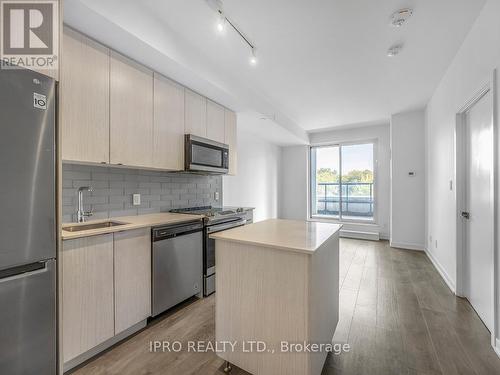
(216, 220)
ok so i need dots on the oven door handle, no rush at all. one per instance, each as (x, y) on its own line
(221, 227)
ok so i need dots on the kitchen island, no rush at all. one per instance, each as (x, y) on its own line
(277, 295)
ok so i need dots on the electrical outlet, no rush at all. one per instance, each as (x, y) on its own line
(216, 196)
(136, 199)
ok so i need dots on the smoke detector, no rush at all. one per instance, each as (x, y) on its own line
(399, 17)
(394, 50)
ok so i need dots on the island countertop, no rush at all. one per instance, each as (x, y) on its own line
(291, 235)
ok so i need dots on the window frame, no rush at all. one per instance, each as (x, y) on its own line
(311, 188)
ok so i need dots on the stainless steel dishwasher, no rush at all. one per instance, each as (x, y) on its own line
(177, 269)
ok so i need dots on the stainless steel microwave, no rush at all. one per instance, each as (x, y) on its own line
(205, 156)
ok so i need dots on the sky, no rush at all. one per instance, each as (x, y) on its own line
(358, 157)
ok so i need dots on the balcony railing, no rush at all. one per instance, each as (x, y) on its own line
(357, 199)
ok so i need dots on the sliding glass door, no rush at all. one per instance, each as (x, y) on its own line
(325, 189)
(342, 182)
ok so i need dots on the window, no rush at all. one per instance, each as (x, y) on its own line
(342, 182)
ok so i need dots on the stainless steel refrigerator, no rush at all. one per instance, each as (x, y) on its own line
(27, 223)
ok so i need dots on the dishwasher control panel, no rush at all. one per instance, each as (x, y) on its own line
(171, 231)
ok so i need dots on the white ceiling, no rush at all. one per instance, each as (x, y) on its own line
(322, 63)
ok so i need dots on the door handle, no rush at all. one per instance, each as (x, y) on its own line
(22, 271)
(230, 225)
(465, 215)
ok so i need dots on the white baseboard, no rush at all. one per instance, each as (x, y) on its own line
(384, 236)
(406, 245)
(447, 279)
(372, 236)
(496, 348)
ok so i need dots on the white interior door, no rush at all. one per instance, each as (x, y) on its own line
(479, 227)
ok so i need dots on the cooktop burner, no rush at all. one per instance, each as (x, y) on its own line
(208, 211)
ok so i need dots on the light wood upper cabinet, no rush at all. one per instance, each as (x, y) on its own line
(231, 140)
(132, 262)
(117, 111)
(87, 293)
(131, 113)
(215, 122)
(84, 99)
(168, 130)
(195, 114)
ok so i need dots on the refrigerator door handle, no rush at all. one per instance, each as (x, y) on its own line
(22, 271)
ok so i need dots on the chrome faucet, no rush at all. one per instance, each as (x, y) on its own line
(81, 214)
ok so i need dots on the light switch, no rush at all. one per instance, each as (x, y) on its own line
(136, 199)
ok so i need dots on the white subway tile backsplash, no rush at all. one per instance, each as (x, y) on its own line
(144, 211)
(113, 189)
(72, 175)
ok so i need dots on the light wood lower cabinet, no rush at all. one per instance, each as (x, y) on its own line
(106, 288)
(87, 293)
(132, 277)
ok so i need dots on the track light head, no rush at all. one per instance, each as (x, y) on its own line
(253, 57)
(221, 22)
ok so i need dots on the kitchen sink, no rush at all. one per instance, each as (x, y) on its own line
(101, 225)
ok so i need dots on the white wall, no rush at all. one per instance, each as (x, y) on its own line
(295, 169)
(469, 71)
(257, 181)
(408, 191)
(293, 184)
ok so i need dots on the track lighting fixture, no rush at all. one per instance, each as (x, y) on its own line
(223, 21)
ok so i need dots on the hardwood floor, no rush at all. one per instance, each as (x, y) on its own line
(399, 317)
(395, 312)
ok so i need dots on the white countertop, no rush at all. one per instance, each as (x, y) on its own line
(291, 235)
(132, 222)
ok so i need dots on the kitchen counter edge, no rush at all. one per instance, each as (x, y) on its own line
(132, 222)
(269, 239)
